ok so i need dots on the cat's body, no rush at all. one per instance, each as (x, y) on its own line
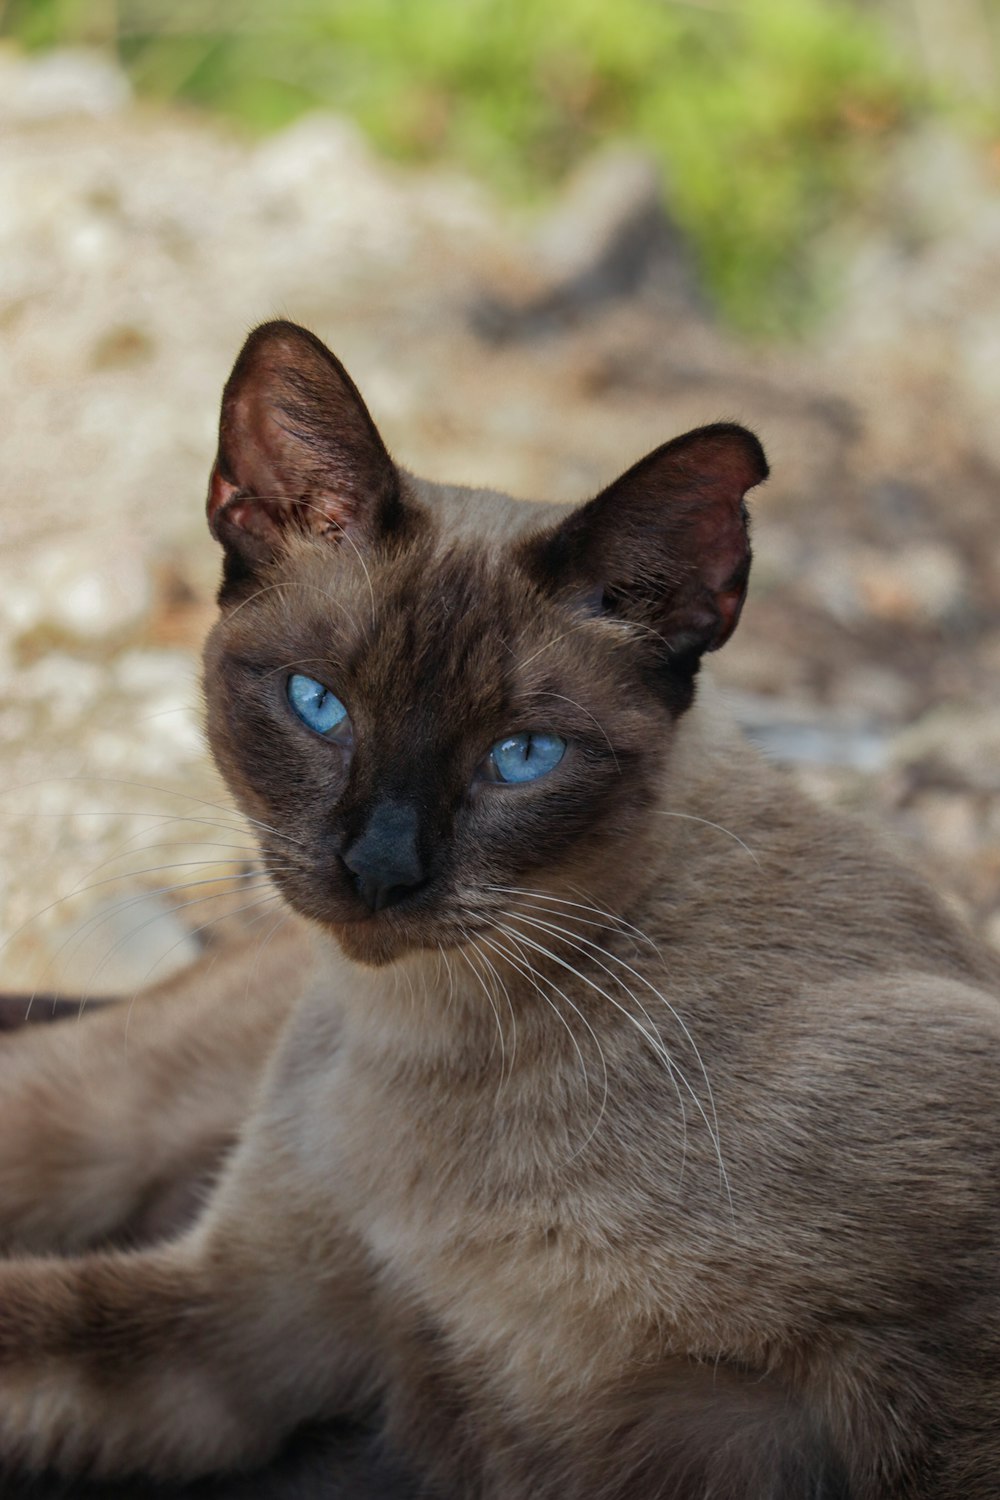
(624, 1129)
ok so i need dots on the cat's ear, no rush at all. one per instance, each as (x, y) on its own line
(667, 545)
(298, 451)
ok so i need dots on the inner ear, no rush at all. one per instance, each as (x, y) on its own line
(298, 450)
(667, 545)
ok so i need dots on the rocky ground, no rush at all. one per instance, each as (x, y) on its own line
(137, 249)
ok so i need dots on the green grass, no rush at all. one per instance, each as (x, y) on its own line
(769, 117)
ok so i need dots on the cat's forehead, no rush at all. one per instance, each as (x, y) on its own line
(455, 617)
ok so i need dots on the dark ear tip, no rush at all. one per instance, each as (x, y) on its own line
(272, 326)
(755, 452)
(745, 447)
(280, 328)
(278, 333)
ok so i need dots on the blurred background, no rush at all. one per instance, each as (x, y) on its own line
(543, 239)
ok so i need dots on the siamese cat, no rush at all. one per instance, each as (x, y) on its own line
(606, 1122)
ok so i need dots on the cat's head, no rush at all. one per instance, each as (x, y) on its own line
(433, 699)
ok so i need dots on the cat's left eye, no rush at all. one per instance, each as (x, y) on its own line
(525, 757)
(317, 707)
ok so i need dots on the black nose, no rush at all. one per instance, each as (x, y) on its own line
(385, 857)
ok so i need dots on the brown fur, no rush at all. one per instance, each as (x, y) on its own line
(644, 1145)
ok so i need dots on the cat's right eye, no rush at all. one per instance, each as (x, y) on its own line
(525, 757)
(317, 707)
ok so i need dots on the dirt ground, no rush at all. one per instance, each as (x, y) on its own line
(138, 248)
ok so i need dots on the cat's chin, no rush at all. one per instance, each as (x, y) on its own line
(371, 942)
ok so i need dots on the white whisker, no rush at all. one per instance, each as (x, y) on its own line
(93, 923)
(303, 661)
(615, 922)
(674, 1073)
(344, 535)
(255, 970)
(197, 846)
(442, 955)
(572, 701)
(237, 818)
(496, 1015)
(506, 995)
(584, 945)
(580, 625)
(524, 966)
(249, 906)
(692, 818)
(264, 883)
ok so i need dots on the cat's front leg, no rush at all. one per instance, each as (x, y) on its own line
(172, 1362)
(112, 1119)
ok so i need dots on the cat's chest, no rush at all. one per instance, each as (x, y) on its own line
(459, 1221)
(455, 1202)
(477, 1204)
(472, 1211)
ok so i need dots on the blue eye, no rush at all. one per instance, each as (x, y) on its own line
(315, 704)
(525, 757)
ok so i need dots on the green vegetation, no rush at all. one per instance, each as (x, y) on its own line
(769, 116)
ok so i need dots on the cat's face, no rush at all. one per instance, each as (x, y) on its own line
(423, 724)
(496, 738)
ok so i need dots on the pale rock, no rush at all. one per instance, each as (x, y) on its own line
(924, 583)
(77, 589)
(20, 609)
(938, 183)
(155, 673)
(322, 172)
(313, 154)
(802, 734)
(58, 85)
(877, 693)
(62, 687)
(163, 687)
(606, 193)
(953, 746)
(832, 582)
(949, 823)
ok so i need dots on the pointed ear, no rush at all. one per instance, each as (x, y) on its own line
(667, 545)
(297, 451)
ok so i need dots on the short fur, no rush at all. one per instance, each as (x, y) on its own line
(643, 1143)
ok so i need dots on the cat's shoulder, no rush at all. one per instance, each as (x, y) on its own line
(794, 886)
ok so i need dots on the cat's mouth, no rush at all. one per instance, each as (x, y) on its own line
(368, 932)
(429, 917)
